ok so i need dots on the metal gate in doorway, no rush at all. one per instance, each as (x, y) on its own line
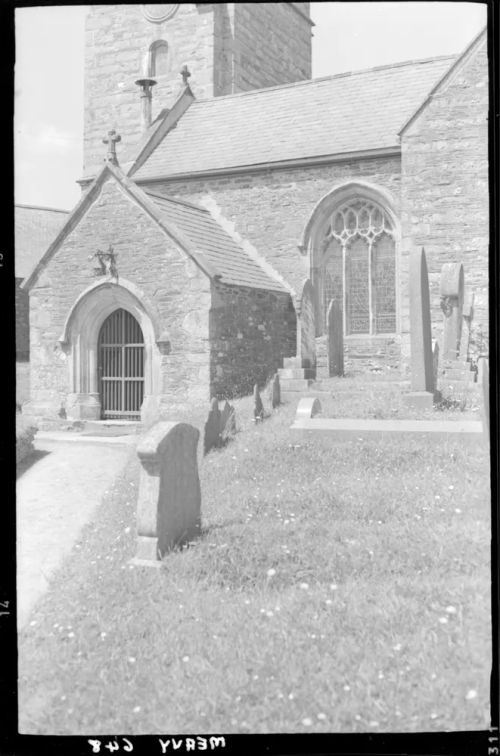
(121, 367)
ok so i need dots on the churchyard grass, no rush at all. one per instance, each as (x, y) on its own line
(337, 587)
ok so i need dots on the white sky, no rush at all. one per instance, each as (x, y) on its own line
(49, 73)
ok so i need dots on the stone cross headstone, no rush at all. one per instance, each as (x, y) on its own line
(211, 436)
(169, 505)
(452, 298)
(306, 327)
(258, 410)
(227, 422)
(422, 375)
(275, 392)
(335, 339)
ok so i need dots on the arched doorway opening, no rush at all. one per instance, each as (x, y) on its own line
(120, 366)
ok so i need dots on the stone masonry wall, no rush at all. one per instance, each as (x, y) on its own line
(445, 189)
(227, 47)
(271, 209)
(165, 276)
(22, 323)
(250, 332)
(272, 45)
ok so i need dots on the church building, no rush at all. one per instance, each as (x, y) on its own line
(227, 198)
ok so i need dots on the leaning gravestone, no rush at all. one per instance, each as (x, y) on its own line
(211, 437)
(335, 339)
(258, 410)
(275, 392)
(452, 299)
(169, 505)
(227, 422)
(306, 328)
(422, 377)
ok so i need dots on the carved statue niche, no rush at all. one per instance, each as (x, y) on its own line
(107, 263)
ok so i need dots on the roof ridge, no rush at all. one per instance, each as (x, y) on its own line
(176, 201)
(305, 82)
(41, 207)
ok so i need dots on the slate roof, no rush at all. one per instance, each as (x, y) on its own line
(226, 256)
(338, 114)
(35, 229)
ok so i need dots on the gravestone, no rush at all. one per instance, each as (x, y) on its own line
(169, 504)
(452, 298)
(227, 422)
(275, 392)
(211, 437)
(422, 377)
(258, 410)
(308, 407)
(335, 339)
(306, 327)
(467, 316)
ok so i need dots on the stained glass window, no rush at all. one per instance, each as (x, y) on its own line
(359, 266)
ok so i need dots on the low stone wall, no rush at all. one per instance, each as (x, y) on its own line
(251, 331)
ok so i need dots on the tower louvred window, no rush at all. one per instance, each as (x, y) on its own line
(158, 58)
(359, 267)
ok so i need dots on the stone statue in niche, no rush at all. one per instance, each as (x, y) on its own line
(107, 263)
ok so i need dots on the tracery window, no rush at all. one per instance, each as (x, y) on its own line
(359, 267)
(158, 64)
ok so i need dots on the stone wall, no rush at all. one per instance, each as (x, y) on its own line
(250, 332)
(22, 323)
(445, 188)
(228, 47)
(162, 275)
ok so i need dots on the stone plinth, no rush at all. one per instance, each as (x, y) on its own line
(169, 505)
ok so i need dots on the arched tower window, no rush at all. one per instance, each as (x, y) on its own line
(358, 266)
(158, 58)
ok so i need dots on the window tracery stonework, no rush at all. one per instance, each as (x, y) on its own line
(359, 267)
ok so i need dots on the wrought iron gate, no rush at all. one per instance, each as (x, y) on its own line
(121, 366)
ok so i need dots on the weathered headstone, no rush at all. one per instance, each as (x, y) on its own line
(306, 327)
(275, 392)
(227, 422)
(422, 378)
(335, 339)
(308, 407)
(169, 505)
(467, 316)
(211, 436)
(258, 410)
(452, 298)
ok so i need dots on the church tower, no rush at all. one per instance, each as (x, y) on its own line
(227, 47)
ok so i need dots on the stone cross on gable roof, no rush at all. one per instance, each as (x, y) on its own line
(111, 141)
(185, 73)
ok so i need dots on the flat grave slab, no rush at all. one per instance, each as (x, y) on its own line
(348, 429)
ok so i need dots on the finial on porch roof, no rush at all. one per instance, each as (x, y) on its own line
(111, 141)
(185, 73)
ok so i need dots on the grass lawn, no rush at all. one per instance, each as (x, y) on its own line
(337, 587)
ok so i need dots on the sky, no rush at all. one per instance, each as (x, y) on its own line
(49, 74)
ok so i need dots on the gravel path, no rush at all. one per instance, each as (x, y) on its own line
(56, 496)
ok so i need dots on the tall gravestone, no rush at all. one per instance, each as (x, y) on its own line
(258, 409)
(452, 299)
(335, 339)
(467, 316)
(211, 436)
(275, 392)
(306, 328)
(422, 374)
(169, 505)
(227, 422)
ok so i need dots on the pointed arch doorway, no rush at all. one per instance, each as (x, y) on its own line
(120, 367)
